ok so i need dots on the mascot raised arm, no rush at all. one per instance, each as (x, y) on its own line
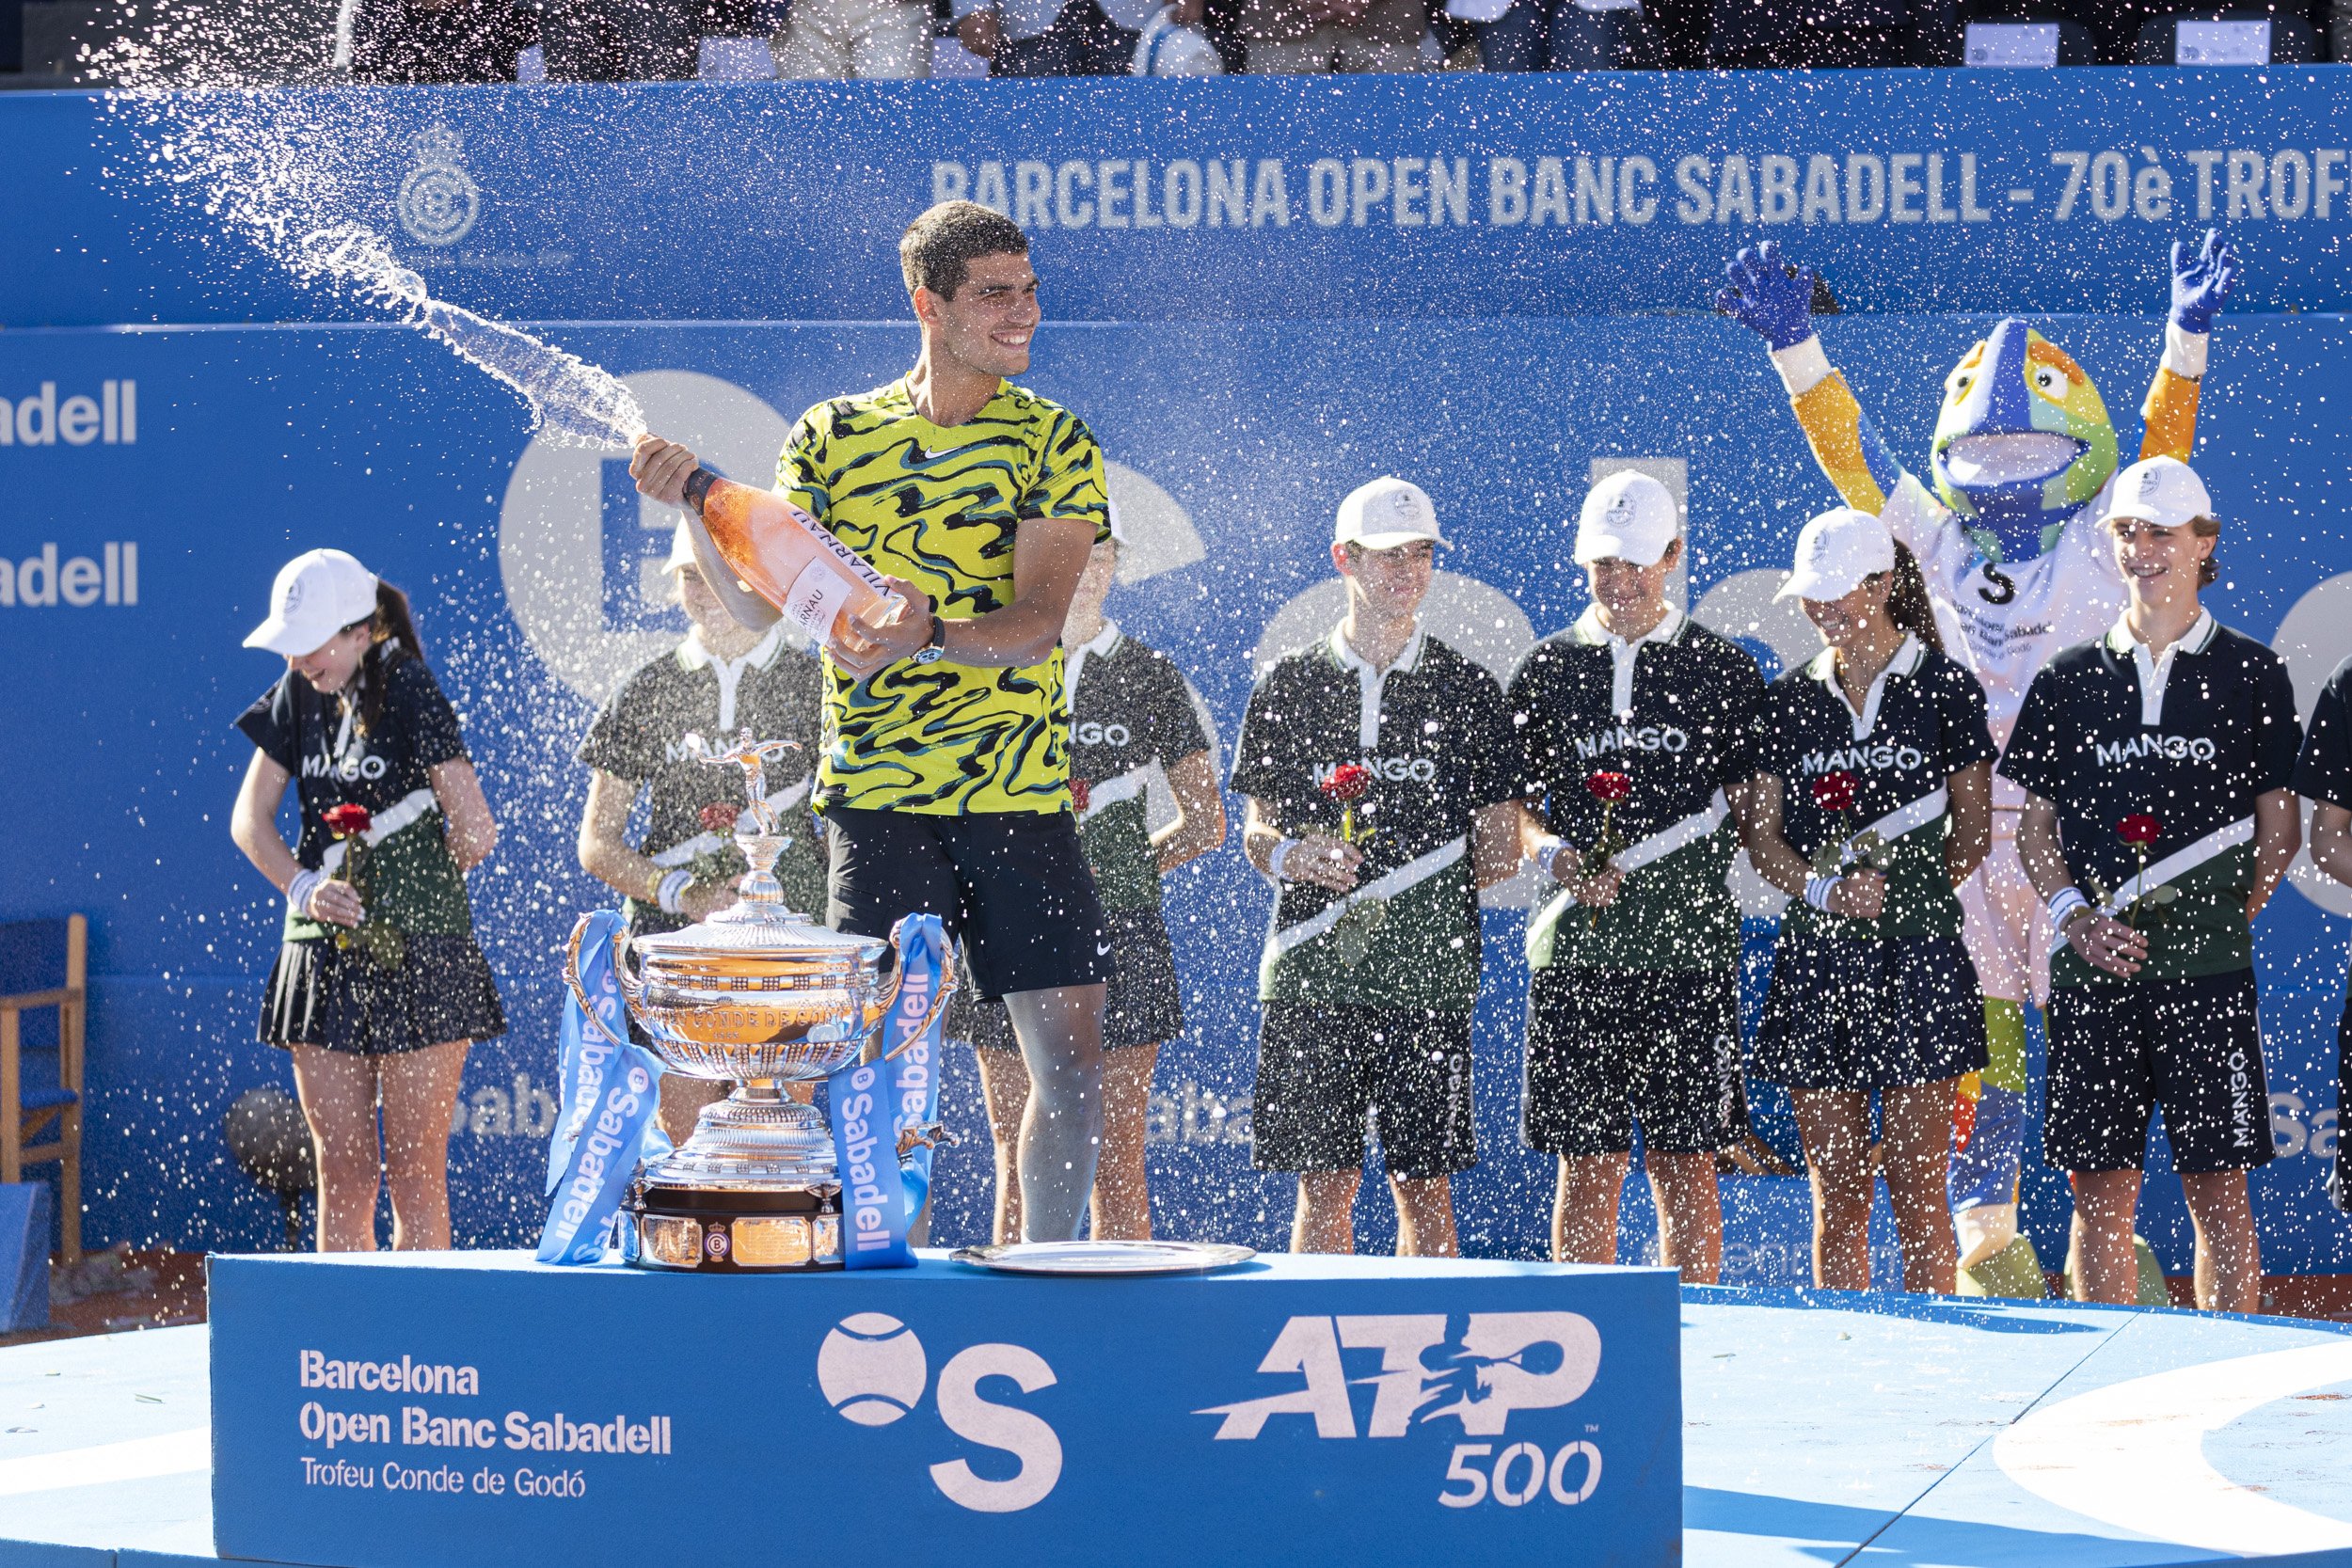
(2009, 529)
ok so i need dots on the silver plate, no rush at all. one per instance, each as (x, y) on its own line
(1105, 1257)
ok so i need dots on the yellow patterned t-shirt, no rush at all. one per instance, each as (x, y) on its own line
(939, 507)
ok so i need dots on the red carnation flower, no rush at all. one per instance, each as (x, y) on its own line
(347, 821)
(1836, 791)
(719, 817)
(2140, 829)
(1081, 793)
(1607, 787)
(1349, 781)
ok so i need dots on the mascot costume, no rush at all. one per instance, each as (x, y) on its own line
(2010, 537)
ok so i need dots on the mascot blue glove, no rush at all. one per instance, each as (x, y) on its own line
(1764, 296)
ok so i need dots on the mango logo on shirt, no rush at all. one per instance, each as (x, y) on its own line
(1092, 733)
(2171, 748)
(1627, 738)
(1865, 759)
(1395, 769)
(365, 765)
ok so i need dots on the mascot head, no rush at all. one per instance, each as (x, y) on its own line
(2022, 442)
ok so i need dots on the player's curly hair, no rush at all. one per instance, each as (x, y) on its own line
(939, 247)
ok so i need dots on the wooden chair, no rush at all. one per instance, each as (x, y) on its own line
(45, 1102)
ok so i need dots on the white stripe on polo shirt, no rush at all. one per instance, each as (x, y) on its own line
(1824, 669)
(1369, 682)
(694, 655)
(1073, 660)
(2155, 670)
(1623, 654)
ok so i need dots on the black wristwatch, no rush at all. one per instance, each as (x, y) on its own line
(936, 649)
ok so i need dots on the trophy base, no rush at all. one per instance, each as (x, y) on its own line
(737, 1230)
(754, 1191)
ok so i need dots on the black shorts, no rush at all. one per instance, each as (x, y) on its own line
(2192, 1046)
(1861, 1015)
(1012, 885)
(341, 999)
(1606, 1047)
(1142, 1006)
(1325, 1072)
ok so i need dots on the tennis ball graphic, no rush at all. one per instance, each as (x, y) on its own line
(871, 1369)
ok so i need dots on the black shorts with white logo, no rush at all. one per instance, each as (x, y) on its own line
(2193, 1045)
(1141, 1007)
(1325, 1071)
(1606, 1047)
(1012, 885)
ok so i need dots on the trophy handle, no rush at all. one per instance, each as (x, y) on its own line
(948, 981)
(630, 988)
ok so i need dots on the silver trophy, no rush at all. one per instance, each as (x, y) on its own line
(758, 997)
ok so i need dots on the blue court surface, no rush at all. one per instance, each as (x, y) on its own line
(1818, 1428)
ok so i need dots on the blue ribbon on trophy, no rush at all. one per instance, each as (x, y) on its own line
(885, 1112)
(607, 1121)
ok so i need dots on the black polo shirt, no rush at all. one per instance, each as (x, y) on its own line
(1130, 712)
(1434, 736)
(775, 690)
(1685, 732)
(1923, 722)
(2324, 771)
(2226, 734)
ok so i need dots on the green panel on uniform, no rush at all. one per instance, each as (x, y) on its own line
(2203, 932)
(1418, 955)
(412, 883)
(1673, 914)
(1918, 895)
(1119, 851)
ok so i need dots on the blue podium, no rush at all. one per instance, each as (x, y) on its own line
(482, 1409)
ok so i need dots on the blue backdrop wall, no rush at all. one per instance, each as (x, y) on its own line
(728, 249)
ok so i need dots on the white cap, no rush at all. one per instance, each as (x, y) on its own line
(317, 594)
(2162, 490)
(1628, 516)
(1384, 513)
(681, 548)
(1836, 552)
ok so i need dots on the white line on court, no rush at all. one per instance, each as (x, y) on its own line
(2133, 1455)
(171, 1453)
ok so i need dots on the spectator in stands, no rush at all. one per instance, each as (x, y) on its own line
(1056, 37)
(1562, 35)
(866, 39)
(430, 42)
(1294, 36)
(623, 41)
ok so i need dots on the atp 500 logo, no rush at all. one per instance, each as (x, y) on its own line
(1501, 1362)
(873, 1370)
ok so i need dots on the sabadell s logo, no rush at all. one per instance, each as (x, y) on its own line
(872, 1371)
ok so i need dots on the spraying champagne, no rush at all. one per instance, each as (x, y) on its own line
(818, 583)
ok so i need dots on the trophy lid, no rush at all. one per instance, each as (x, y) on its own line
(758, 926)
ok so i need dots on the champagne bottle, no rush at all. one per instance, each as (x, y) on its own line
(788, 559)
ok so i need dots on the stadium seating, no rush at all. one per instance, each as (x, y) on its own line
(2233, 35)
(1812, 34)
(2022, 32)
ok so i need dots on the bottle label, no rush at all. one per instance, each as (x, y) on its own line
(816, 596)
